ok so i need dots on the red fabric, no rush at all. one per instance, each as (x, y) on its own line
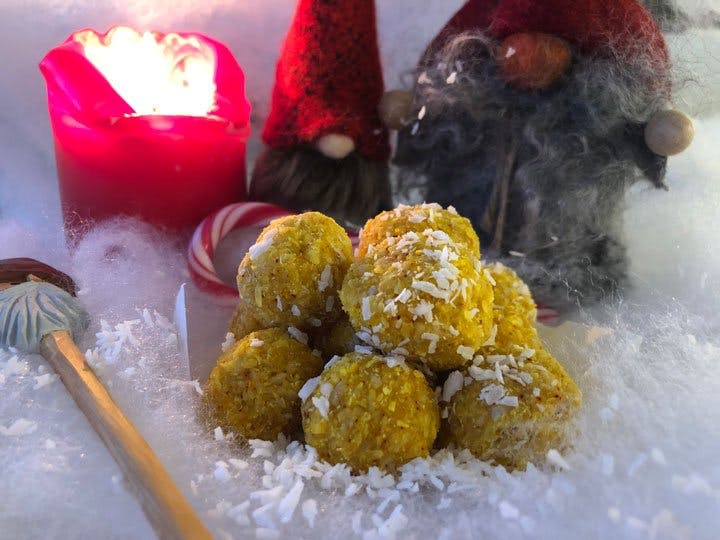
(329, 78)
(594, 26)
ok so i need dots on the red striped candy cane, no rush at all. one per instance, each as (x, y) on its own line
(214, 228)
(547, 315)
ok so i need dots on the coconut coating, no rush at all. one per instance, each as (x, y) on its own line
(512, 423)
(514, 312)
(365, 413)
(421, 297)
(291, 276)
(403, 219)
(253, 388)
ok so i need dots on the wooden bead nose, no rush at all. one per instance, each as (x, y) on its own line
(533, 60)
(395, 108)
(669, 132)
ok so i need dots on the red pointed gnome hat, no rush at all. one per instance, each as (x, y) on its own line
(621, 27)
(329, 78)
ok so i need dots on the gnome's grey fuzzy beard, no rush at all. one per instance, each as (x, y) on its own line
(350, 190)
(542, 175)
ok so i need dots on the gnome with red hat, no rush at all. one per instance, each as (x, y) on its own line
(533, 118)
(327, 148)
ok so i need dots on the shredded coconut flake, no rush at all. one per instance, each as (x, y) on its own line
(491, 340)
(527, 353)
(431, 289)
(254, 342)
(366, 309)
(466, 352)
(322, 405)
(221, 473)
(394, 361)
(309, 511)
(404, 296)
(453, 383)
(433, 339)
(261, 247)
(390, 308)
(286, 507)
(423, 309)
(298, 335)
(47, 379)
(326, 278)
(363, 349)
(309, 387)
(21, 426)
(555, 458)
(229, 341)
(492, 394)
(334, 360)
(480, 374)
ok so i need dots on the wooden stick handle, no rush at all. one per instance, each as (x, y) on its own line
(169, 513)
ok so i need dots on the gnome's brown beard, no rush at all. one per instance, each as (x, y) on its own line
(542, 175)
(350, 190)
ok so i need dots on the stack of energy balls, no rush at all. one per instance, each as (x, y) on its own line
(427, 346)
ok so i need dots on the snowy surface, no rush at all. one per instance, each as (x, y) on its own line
(645, 464)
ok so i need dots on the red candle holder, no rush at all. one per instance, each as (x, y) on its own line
(142, 155)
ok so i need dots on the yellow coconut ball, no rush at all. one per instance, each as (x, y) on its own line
(403, 219)
(514, 312)
(370, 411)
(509, 410)
(253, 388)
(423, 297)
(291, 276)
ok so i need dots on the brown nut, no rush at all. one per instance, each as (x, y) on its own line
(669, 132)
(533, 60)
(395, 108)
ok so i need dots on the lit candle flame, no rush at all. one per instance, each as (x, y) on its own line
(170, 76)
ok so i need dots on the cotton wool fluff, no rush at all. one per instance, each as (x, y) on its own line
(645, 463)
